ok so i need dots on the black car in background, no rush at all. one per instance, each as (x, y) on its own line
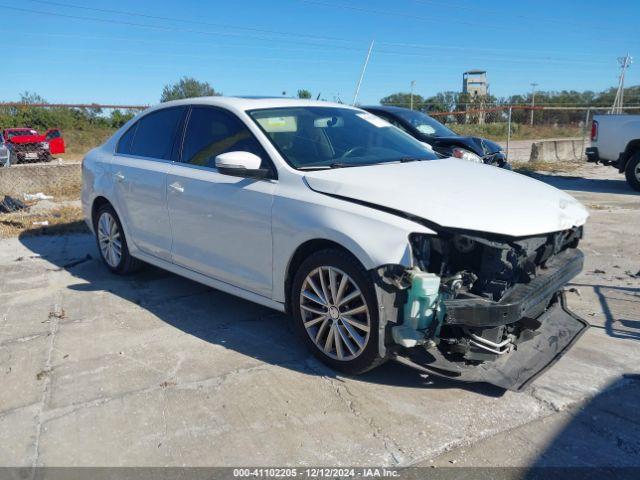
(443, 140)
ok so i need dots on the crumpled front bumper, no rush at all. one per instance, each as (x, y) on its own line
(524, 300)
(559, 330)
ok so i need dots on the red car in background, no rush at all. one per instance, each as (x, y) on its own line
(27, 145)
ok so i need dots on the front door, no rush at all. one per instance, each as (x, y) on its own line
(221, 224)
(139, 170)
(56, 142)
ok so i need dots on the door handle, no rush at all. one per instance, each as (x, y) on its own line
(176, 187)
(119, 177)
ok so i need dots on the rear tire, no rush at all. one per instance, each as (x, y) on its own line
(112, 243)
(335, 311)
(632, 171)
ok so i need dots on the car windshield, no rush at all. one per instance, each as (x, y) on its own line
(20, 133)
(425, 124)
(331, 137)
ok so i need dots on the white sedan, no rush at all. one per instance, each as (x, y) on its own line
(377, 248)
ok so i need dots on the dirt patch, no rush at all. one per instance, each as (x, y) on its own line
(56, 221)
(545, 166)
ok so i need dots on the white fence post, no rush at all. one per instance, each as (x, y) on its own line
(508, 132)
(585, 129)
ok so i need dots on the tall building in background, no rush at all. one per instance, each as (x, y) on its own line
(474, 82)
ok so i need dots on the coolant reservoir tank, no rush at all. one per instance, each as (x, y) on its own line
(422, 301)
(420, 310)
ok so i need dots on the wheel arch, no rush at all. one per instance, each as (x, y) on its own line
(632, 147)
(98, 203)
(303, 252)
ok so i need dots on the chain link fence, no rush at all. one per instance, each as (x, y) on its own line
(521, 129)
(40, 162)
(40, 184)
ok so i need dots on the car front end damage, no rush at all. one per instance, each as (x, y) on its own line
(481, 308)
(32, 151)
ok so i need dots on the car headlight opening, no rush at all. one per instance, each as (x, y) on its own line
(466, 155)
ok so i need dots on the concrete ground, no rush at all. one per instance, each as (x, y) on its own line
(155, 370)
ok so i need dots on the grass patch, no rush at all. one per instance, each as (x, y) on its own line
(498, 131)
(62, 220)
(79, 142)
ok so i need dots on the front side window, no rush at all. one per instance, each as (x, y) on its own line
(154, 135)
(211, 132)
(330, 137)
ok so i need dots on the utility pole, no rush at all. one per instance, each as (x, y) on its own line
(413, 84)
(625, 62)
(364, 69)
(533, 99)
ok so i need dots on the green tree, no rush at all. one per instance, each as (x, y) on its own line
(302, 93)
(442, 102)
(31, 98)
(402, 99)
(187, 87)
(119, 118)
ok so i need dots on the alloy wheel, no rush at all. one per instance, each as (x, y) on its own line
(335, 313)
(109, 239)
(637, 171)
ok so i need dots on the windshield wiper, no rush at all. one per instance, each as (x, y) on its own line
(349, 165)
(410, 159)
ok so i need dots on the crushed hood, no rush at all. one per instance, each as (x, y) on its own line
(457, 194)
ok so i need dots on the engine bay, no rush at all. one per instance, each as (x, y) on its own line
(477, 298)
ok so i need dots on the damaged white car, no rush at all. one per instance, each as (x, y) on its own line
(376, 248)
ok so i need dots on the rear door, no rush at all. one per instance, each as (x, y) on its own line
(56, 142)
(221, 224)
(139, 170)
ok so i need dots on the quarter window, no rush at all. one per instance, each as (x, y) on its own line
(124, 145)
(211, 132)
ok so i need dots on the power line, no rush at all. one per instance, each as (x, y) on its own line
(431, 19)
(146, 26)
(537, 19)
(260, 30)
(191, 21)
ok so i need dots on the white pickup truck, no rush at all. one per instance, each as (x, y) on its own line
(615, 141)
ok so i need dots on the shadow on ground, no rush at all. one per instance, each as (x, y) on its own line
(618, 327)
(581, 184)
(601, 440)
(216, 317)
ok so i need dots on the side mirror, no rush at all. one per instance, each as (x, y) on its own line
(428, 145)
(241, 164)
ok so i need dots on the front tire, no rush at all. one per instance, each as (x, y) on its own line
(632, 171)
(335, 311)
(112, 243)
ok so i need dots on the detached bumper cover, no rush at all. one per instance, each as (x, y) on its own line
(560, 329)
(524, 300)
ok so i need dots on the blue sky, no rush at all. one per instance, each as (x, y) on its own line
(120, 51)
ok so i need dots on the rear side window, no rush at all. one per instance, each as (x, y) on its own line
(154, 134)
(211, 132)
(124, 145)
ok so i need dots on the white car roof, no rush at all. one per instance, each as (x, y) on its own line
(244, 104)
